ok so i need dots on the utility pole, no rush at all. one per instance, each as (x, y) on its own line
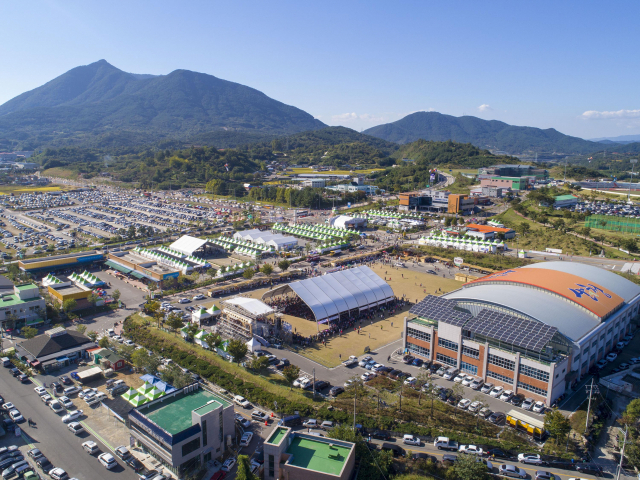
(633, 162)
(314, 383)
(355, 396)
(624, 444)
(590, 390)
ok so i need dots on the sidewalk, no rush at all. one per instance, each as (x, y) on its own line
(151, 463)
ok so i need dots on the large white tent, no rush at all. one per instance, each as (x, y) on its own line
(188, 245)
(329, 296)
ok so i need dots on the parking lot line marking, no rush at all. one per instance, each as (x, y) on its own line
(90, 430)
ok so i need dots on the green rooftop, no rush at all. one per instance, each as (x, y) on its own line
(277, 436)
(26, 287)
(173, 414)
(11, 300)
(561, 198)
(317, 455)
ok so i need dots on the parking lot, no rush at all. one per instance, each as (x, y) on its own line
(52, 437)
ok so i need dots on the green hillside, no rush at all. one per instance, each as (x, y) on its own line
(489, 134)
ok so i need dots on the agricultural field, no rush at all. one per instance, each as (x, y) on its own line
(18, 189)
(338, 172)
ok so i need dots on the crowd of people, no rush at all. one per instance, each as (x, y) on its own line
(347, 322)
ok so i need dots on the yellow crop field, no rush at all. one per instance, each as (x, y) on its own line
(337, 172)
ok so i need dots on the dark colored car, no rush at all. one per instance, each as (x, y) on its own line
(381, 435)
(454, 399)
(44, 464)
(337, 390)
(23, 378)
(517, 400)
(417, 362)
(435, 367)
(498, 453)
(57, 387)
(396, 450)
(15, 372)
(445, 393)
(402, 376)
(66, 380)
(283, 363)
(322, 384)
(449, 458)
(590, 468)
(408, 359)
(385, 370)
(134, 463)
(562, 464)
(394, 374)
(497, 418)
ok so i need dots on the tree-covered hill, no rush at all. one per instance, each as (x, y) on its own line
(490, 134)
(87, 102)
(427, 155)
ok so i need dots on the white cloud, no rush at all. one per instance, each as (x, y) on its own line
(350, 117)
(484, 108)
(620, 114)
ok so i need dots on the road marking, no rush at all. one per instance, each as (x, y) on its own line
(104, 442)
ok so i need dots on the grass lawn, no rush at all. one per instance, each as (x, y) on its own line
(337, 172)
(18, 189)
(59, 172)
(455, 171)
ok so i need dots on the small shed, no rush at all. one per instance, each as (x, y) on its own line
(108, 359)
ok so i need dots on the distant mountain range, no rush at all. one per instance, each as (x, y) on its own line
(487, 134)
(623, 139)
(99, 100)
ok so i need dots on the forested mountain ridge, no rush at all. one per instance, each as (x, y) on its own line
(488, 134)
(97, 99)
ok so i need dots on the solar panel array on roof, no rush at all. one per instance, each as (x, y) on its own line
(521, 332)
(440, 309)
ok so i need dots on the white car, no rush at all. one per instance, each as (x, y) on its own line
(298, 381)
(40, 390)
(486, 388)
(46, 398)
(471, 449)
(611, 357)
(15, 415)
(85, 392)
(476, 384)
(56, 406)
(107, 460)
(366, 376)
(228, 464)
(70, 390)
(90, 447)
(199, 297)
(530, 458)
(184, 300)
(58, 474)
(538, 407)
(246, 439)
(129, 343)
(410, 381)
(464, 403)
(66, 403)
(410, 440)
(71, 416)
(527, 404)
(459, 378)
(475, 406)
(466, 381)
(506, 395)
(8, 406)
(305, 383)
(240, 400)
(496, 392)
(75, 427)
(311, 423)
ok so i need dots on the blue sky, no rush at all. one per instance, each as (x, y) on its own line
(567, 65)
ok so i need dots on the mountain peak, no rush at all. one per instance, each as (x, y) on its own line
(99, 98)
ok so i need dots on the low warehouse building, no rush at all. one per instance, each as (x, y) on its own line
(55, 348)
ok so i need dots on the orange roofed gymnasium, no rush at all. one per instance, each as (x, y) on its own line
(535, 330)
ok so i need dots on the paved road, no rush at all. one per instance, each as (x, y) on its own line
(51, 436)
